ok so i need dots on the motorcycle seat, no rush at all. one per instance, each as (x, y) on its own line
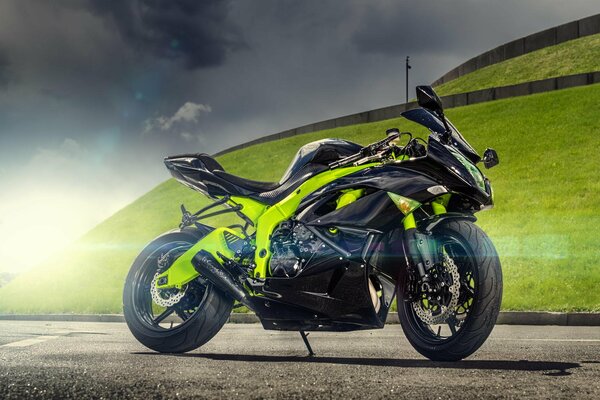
(205, 174)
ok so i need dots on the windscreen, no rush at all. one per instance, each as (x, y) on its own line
(434, 124)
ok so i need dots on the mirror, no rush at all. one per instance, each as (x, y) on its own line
(490, 158)
(428, 99)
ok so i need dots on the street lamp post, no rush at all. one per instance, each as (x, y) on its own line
(407, 68)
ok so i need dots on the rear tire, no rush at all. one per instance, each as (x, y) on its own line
(479, 259)
(203, 321)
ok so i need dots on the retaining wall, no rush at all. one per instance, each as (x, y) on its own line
(450, 101)
(546, 38)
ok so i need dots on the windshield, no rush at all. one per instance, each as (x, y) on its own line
(434, 124)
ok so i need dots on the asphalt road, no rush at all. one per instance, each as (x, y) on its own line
(102, 360)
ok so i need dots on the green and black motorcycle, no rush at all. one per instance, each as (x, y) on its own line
(329, 246)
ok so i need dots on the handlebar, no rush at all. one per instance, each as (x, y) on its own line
(366, 152)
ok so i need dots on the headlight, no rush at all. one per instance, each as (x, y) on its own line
(473, 170)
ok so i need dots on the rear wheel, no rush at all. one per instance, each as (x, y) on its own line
(450, 318)
(171, 320)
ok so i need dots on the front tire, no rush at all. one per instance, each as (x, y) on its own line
(186, 325)
(473, 315)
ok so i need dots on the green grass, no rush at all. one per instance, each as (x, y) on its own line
(568, 58)
(545, 224)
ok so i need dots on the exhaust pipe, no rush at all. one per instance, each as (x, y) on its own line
(206, 265)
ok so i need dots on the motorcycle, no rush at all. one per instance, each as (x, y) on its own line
(346, 230)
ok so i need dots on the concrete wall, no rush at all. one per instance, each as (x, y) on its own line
(549, 37)
(450, 101)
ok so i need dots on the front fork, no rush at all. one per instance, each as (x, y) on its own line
(421, 248)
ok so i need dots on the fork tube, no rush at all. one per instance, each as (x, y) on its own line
(409, 222)
(438, 208)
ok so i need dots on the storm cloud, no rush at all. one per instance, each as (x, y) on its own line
(197, 32)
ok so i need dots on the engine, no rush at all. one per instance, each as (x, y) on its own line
(292, 248)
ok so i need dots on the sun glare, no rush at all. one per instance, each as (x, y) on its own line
(35, 227)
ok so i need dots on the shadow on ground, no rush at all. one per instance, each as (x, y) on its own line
(560, 368)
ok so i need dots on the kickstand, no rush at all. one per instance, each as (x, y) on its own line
(305, 339)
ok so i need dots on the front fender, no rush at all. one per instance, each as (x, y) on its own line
(428, 224)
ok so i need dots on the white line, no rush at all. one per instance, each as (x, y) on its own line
(30, 342)
(548, 340)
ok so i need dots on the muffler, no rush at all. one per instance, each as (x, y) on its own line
(206, 265)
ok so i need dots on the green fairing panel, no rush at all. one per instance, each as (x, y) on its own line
(253, 209)
(265, 218)
(348, 197)
(182, 271)
(439, 204)
(283, 210)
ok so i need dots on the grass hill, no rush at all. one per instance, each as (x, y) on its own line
(568, 58)
(545, 224)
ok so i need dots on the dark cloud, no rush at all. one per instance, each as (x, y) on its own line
(197, 32)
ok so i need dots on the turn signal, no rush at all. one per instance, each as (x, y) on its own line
(404, 204)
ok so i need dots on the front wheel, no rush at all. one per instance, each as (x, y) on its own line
(450, 317)
(171, 320)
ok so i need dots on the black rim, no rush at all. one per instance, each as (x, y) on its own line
(159, 317)
(458, 317)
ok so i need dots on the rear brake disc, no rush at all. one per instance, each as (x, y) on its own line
(165, 297)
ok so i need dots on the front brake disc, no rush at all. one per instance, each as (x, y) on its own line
(426, 314)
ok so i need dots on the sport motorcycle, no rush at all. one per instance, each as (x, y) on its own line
(346, 231)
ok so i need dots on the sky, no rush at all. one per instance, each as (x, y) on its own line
(94, 93)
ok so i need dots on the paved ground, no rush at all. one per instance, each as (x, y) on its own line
(102, 360)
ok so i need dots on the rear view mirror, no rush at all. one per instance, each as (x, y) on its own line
(490, 158)
(428, 99)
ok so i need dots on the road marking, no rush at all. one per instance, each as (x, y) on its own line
(30, 342)
(548, 340)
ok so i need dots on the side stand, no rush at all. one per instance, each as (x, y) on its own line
(305, 339)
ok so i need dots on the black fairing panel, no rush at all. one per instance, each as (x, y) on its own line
(393, 178)
(445, 168)
(198, 171)
(336, 291)
(410, 178)
(374, 211)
